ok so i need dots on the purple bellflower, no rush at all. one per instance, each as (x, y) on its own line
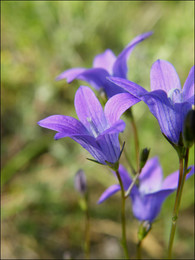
(104, 65)
(97, 131)
(167, 101)
(147, 197)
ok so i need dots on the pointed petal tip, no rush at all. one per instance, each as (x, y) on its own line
(99, 202)
(147, 34)
(56, 137)
(41, 122)
(58, 78)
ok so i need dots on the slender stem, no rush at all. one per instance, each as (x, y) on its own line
(135, 132)
(132, 184)
(123, 219)
(87, 229)
(139, 249)
(128, 159)
(186, 161)
(182, 176)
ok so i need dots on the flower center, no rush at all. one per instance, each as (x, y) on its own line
(175, 95)
(93, 127)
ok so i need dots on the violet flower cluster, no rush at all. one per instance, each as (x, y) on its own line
(97, 129)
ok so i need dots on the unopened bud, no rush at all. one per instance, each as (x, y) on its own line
(80, 182)
(189, 129)
(144, 229)
(144, 157)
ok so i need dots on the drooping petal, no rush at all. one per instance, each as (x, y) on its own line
(110, 145)
(151, 176)
(168, 117)
(70, 74)
(120, 65)
(89, 143)
(64, 124)
(164, 76)
(182, 110)
(95, 76)
(117, 127)
(109, 192)
(131, 87)
(117, 105)
(105, 60)
(171, 181)
(71, 127)
(148, 207)
(188, 88)
(89, 111)
(126, 179)
(112, 89)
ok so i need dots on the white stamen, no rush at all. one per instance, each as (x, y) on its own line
(175, 95)
(93, 127)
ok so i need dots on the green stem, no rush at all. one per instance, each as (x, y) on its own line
(87, 229)
(182, 176)
(135, 133)
(131, 185)
(123, 219)
(139, 249)
(128, 159)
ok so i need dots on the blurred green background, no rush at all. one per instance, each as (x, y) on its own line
(41, 217)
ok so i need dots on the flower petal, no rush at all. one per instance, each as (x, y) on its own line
(126, 179)
(89, 111)
(164, 76)
(109, 192)
(151, 176)
(119, 126)
(110, 145)
(105, 60)
(120, 65)
(168, 117)
(109, 142)
(89, 143)
(95, 76)
(148, 207)
(112, 89)
(70, 74)
(64, 124)
(117, 105)
(171, 181)
(188, 88)
(131, 87)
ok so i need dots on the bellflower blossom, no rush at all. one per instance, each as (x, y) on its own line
(167, 101)
(148, 196)
(97, 131)
(104, 65)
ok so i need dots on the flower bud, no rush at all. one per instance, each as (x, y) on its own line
(144, 157)
(144, 229)
(189, 129)
(80, 182)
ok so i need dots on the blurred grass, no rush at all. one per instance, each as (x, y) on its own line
(40, 212)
